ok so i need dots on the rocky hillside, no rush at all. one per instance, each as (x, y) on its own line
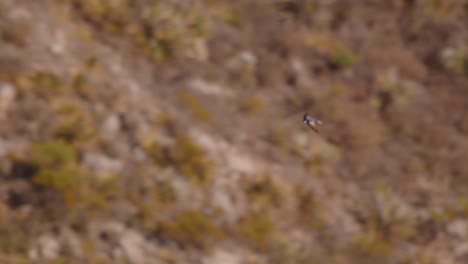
(171, 131)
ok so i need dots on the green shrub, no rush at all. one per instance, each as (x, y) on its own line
(161, 30)
(166, 121)
(190, 159)
(53, 154)
(91, 63)
(185, 155)
(263, 193)
(464, 65)
(309, 212)
(46, 81)
(72, 123)
(190, 227)
(62, 260)
(62, 179)
(343, 58)
(315, 162)
(166, 192)
(432, 5)
(195, 106)
(371, 243)
(278, 137)
(160, 154)
(257, 230)
(252, 105)
(113, 17)
(56, 168)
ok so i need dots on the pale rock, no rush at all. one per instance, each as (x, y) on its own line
(46, 247)
(392, 76)
(57, 46)
(135, 96)
(447, 57)
(138, 155)
(348, 73)
(72, 243)
(321, 147)
(243, 163)
(117, 253)
(403, 210)
(134, 87)
(126, 243)
(110, 127)
(133, 246)
(222, 199)
(113, 227)
(19, 13)
(181, 186)
(223, 257)
(117, 67)
(200, 85)
(248, 57)
(244, 58)
(199, 50)
(416, 91)
(233, 158)
(298, 66)
(343, 225)
(443, 257)
(426, 185)
(125, 211)
(461, 250)
(225, 196)
(7, 97)
(458, 228)
(102, 164)
(6, 146)
(301, 139)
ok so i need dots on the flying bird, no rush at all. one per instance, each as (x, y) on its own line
(311, 122)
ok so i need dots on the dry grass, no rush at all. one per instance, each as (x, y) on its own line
(388, 78)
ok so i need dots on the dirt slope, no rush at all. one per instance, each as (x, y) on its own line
(170, 131)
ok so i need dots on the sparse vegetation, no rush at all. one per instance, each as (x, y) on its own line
(278, 137)
(163, 30)
(111, 154)
(195, 106)
(309, 211)
(46, 82)
(72, 122)
(263, 194)
(257, 230)
(166, 192)
(252, 105)
(343, 58)
(315, 162)
(57, 168)
(190, 159)
(186, 156)
(191, 227)
(371, 243)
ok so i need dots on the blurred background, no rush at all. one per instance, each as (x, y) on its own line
(171, 131)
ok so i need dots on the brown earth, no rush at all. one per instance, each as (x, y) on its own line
(171, 131)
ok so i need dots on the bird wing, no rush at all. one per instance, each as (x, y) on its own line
(312, 127)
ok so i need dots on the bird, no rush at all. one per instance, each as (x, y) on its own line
(311, 122)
